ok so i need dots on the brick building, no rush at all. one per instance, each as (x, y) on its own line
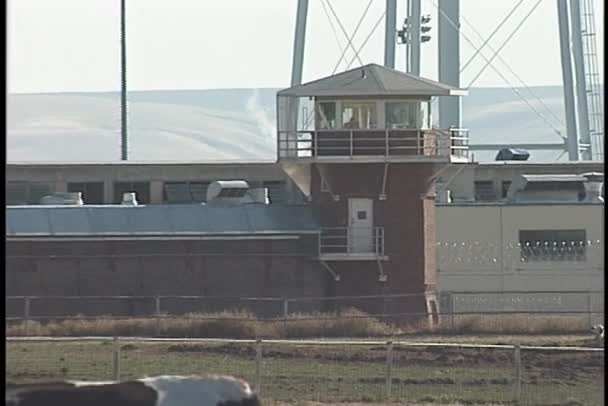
(357, 158)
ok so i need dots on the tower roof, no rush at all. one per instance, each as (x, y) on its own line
(372, 80)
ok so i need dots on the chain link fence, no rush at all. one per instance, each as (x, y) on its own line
(340, 316)
(290, 371)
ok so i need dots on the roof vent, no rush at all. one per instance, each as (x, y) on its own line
(226, 192)
(593, 187)
(63, 198)
(129, 199)
(546, 188)
(512, 154)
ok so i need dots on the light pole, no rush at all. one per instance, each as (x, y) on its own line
(414, 32)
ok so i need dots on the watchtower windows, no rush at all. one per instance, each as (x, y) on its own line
(327, 115)
(357, 115)
(403, 114)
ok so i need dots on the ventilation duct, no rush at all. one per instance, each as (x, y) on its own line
(63, 198)
(546, 188)
(512, 154)
(235, 192)
(129, 199)
(593, 187)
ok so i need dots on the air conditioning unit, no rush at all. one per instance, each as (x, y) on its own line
(235, 192)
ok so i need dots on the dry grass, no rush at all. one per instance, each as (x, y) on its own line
(244, 325)
(515, 324)
(233, 324)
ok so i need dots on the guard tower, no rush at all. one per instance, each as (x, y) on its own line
(361, 145)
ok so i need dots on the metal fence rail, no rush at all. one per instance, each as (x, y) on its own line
(373, 142)
(330, 371)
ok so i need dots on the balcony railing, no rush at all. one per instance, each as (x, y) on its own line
(374, 143)
(352, 242)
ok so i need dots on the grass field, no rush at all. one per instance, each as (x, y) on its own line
(334, 374)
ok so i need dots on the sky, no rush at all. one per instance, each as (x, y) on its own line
(73, 45)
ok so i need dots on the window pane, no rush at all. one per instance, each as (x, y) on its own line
(484, 191)
(425, 115)
(402, 114)
(198, 191)
(92, 192)
(38, 191)
(177, 193)
(276, 191)
(327, 115)
(16, 193)
(359, 115)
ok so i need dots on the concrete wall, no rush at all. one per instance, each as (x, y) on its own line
(477, 248)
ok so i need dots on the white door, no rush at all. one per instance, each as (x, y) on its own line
(360, 232)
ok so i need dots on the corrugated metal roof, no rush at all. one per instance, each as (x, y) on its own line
(372, 80)
(174, 220)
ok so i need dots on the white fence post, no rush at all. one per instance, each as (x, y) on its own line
(26, 315)
(157, 314)
(258, 366)
(517, 383)
(389, 369)
(589, 310)
(285, 311)
(386, 149)
(157, 305)
(116, 359)
(452, 311)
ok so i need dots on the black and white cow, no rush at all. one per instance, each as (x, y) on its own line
(163, 390)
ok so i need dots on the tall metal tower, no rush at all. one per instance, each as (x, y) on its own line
(124, 146)
(593, 89)
(449, 61)
(582, 93)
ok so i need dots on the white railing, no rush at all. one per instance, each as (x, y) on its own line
(374, 142)
(352, 241)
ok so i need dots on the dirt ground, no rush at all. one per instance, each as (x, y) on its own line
(562, 364)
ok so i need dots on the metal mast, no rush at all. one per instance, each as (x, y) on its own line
(298, 44)
(414, 45)
(579, 74)
(449, 61)
(568, 85)
(592, 83)
(389, 33)
(123, 84)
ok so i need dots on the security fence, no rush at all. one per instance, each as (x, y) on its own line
(292, 371)
(516, 312)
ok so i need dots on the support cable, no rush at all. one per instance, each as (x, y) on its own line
(498, 27)
(506, 41)
(521, 81)
(466, 38)
(367, 38)
(333, 27)
(349, 38)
